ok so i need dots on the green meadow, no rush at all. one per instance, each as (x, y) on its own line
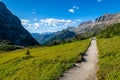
(42, 63)
(109, 58)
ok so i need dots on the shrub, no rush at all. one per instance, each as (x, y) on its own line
(5, 42)
(27, 52)
(110, 31)
(9, 47)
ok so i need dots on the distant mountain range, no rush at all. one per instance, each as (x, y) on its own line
(42, 38)
(12, 30)
(86, 29)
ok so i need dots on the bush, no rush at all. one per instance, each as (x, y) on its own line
(110, 31)
(27, 52)
(5, 42)
(8, 47)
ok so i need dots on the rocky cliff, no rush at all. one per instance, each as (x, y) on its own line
(12, 30)
(109, 18)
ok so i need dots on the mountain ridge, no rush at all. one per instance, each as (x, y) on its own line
(90, 28)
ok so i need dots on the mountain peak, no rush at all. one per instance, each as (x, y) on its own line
(109, 18)
(2, 4)
(87, 22)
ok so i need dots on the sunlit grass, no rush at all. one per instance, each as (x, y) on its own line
(109, 59)
(44, 63)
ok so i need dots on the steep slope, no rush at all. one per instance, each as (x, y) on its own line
(109, 18)
(12, 30)
(62, 36)
(83, 26)
(110, 31)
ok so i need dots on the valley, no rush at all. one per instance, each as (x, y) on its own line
(32, 48)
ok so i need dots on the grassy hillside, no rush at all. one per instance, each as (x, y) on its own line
(44, 63)
(109, 59)
(110, 31)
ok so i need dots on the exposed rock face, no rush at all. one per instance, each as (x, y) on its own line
(12, 30)
(99, 24)
(109, 18)
(83, 26)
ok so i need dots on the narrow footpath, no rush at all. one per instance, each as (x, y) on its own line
(87, 69)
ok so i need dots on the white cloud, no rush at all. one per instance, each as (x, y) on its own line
(78, 20)
(75, 7)
(49, 24)
(99, 0)
(28, 28)
(35, 19)
(71, 10)
(36, 25)
(24, 21)
(54, 22)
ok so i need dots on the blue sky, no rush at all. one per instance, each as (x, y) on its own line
(53, 15)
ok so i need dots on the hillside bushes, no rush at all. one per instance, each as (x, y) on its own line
(9, 47)
(110, 31)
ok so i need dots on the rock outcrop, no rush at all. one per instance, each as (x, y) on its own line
(83, 26)
(108, 19)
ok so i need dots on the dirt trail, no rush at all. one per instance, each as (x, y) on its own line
(86, 70)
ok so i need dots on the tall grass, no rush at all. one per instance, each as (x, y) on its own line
(45, 63)
(109, 59)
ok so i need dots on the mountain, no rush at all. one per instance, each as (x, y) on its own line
(44, 37)
(83, 26)
(12, 30)
(109, 18)
(70, 33)
(90, 28)
(111, 31)
(100, 24)
(87, 29)
(62, 36)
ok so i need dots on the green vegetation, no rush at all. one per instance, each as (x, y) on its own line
(45, 63)
(9, 47)
(27, 52)
(5, 42)
(109, 58)
(110, 31)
